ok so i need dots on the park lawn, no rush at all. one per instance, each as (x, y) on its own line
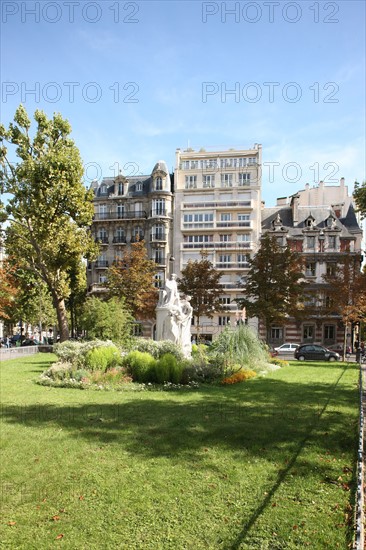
(268, 464)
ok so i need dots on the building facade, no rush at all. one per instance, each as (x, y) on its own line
(128, 209)
(218, 210)
(320, 223)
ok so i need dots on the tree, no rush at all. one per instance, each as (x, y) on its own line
(107, 320)
(201, 281)
(346, 293)
(8, 290)
(132, 278)
(359, 195)
(274, 287)
(50, 211)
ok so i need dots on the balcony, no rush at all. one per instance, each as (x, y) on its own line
(159, 212)
(97, 288)
(102, 240)
(233, 223)
(217, 245)
(232, 265)
(159, 261)
(157, 237)
(116, 215)
(137, 238)
(119, 240)
(101, 264)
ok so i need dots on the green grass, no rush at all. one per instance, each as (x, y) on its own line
(263, 465)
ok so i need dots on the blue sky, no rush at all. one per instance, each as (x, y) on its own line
(139, 79)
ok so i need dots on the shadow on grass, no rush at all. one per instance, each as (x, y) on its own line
(263, 418)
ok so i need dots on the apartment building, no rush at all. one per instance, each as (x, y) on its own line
(217, 209)
(127, 209)
(321, 224)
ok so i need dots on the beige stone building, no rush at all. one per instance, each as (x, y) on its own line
(218, 210)
(128, 209)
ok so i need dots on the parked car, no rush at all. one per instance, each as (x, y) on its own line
(30, 342)
(314, 352)
(287, 348)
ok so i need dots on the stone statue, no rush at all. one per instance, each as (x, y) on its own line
(173, 316)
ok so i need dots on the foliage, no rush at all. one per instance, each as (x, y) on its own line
(158, 349)
(140, 365)
(359, 195)
(50, 211)
(201, 281)
(132, 278)
(76, 353)
(103, 358)
(274, 287)
(279, 362)
(201, 372)
(106, 320)
(241, 376)
(167, 369)
(345, 293)
(240, 345)
(8, 289)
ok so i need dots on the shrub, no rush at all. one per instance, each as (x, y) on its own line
(239, 376)
(140, 365)
(158, 349)
(103, 358)
(69, 351)
(167, 369)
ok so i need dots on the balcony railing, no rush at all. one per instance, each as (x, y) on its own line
(116, 215)
(102, 240)
(101, 264)
(119, 240)
(232, 265)
(136, 238)
(159, 212)
(218, 245)
(159, 261)
(157, 237)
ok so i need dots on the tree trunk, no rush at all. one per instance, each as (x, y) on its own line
(63, 325)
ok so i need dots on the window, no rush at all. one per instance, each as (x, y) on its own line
(243, 238)
(102, 279)
(194, 164)
(188, 218)
(308, 332)
(329, 333)
(159, 184)
(310, 242)
(226, 180)
(331, 269)
(243, 217)
(159, 207)
(103, 189)
(276, 333)
(225, 238)
(252, 160)
(139, 186)
(225, 300)
(310, 269)
(119, 235)
(102, 211)
(137, 234)
(158, 256)
(158, 231)
(120, 188)
(329, 302)
(103, 235)
(138, 209)
(309, 222)
(199, 238)
(191, 182)
(159, 280)
(120, 211)
(279, 241)
(244, 179)
(226, 163)
(224, 320)
(185, 165)
(243, 260)
(208, 180)
(331, 242)
(225, 217)
(225, 260)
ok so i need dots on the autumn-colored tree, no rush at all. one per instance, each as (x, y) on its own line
(132, 278)
(359, 195)
(201, 281)
(274, 286)
(8, 289)
(50, 210)
(345, 293)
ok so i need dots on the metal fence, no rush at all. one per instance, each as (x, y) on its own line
(359, 508)
(15, 353)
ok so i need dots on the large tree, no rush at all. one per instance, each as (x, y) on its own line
(345, 293)
(201, 281)
(360, 197)
(274, 286)
(132, 278)
(49, 211)
(106, 319)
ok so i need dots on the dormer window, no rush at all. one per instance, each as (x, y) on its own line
(120, 188)
(159, 184)
(103, 189)
(310, 222)
(139, 186)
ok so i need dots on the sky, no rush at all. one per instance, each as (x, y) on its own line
(137, 80)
